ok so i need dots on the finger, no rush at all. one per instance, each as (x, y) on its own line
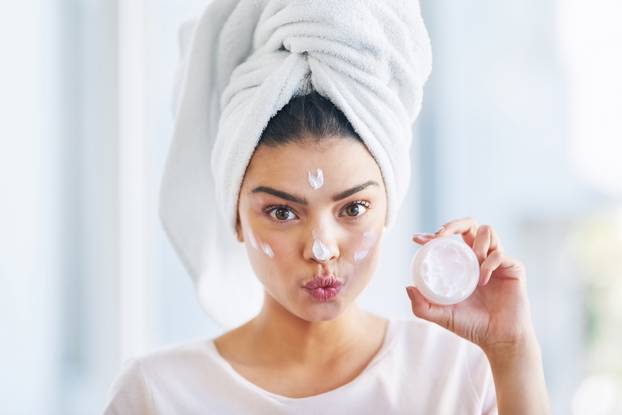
(422, 308)
(481, 245)
(486, 242)
(497, 260)
(467, 227)
(422, 238)
(495, 242)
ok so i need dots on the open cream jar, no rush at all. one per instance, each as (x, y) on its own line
(445, 270)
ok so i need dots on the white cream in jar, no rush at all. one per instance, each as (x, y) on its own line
(445, 270)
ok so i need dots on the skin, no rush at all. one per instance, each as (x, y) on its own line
(294, 335)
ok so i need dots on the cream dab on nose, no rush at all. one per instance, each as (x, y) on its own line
(320, 250)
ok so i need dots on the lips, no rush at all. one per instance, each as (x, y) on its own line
(324, 288)
(323, 281)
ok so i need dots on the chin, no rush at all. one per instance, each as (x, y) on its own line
(321, 315)
(322, 311)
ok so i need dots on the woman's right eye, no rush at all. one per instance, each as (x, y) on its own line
(280, 214)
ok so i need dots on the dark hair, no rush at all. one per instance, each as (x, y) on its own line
(309, 116)
(306, 117)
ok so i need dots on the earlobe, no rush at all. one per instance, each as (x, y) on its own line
(238, 230)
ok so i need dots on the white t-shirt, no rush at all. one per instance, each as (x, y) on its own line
(421, 368)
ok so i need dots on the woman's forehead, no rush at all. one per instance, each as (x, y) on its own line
(335, 158)
(305, 197)
(300, 171)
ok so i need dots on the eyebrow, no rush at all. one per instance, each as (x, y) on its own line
(303, 201)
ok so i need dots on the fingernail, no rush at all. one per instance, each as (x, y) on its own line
(423, 235)
(442, 228)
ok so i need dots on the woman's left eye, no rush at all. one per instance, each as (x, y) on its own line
(281, 214)
(354, 210)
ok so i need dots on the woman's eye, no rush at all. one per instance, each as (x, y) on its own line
(284, 214)
(281, 214)
(357, 208)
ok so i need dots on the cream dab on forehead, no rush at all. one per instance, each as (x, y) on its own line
(316, 179)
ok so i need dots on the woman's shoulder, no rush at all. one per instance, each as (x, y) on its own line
(428, 335)
(174, 355)
(429, 348)
(428, 344)
(161, 370)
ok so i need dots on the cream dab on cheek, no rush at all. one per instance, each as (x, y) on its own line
(316, 180)
(367, 243)
(251, 238)
(265, 247)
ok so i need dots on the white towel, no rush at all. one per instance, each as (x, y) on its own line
(244, 61)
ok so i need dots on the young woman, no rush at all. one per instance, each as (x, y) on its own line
(311, 210)
(303, 354)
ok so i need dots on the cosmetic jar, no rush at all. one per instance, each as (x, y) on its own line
(445, 270)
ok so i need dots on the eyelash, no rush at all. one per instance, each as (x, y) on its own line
(272, 208)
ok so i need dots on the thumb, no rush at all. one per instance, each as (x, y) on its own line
(426, 310)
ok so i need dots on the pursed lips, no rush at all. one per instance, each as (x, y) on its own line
(323, 281)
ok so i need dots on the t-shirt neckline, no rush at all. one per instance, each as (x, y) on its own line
(388, 341)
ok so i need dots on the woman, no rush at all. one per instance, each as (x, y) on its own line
(312, 204)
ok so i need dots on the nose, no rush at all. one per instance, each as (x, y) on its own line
(321, 246)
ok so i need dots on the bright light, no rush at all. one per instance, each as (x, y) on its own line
(597, 395)
(591, 45)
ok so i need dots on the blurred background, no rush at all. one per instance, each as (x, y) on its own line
(521, 128)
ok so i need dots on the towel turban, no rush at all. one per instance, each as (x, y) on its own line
(243, 60)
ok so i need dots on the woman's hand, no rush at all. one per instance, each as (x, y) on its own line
(496, 315)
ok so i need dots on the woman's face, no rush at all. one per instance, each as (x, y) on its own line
(307, 209)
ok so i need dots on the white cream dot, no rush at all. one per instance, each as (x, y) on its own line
(316, 180)
(251, 238)
(320, 250)
(267, 249)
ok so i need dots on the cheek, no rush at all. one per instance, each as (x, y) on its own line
(260, 245)
(282, 247)
(269, 245)
(363, 246)
(359, 256)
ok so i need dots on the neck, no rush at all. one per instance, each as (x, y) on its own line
(279, 335)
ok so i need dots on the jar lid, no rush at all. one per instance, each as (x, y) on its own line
(445, 270)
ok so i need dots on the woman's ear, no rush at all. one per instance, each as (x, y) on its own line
(238, 230)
